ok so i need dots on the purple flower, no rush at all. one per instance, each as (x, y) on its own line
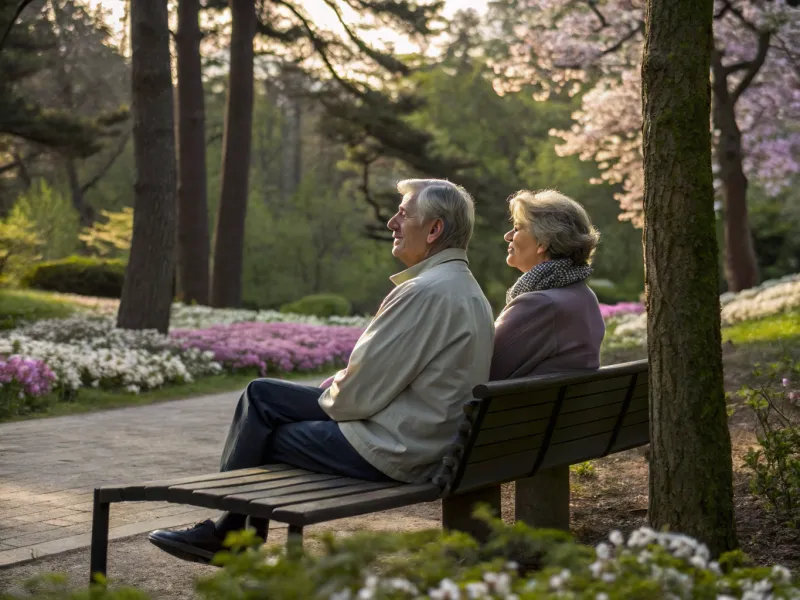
(785, 382)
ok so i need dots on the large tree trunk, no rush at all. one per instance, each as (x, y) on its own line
(691, 488)
(193, 236)
(147, 291)
(741, 265)
(226, 286)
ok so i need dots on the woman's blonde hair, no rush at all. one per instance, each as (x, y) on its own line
(558, 222)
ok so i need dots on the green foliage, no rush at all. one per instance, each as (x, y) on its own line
(775, 222)
(780, 327)
(78, 275)
(774, 398)
(25, 305)
(111, 238)
(320, 305)
(19, 245)
(584, 470)
(52, 216)
(517, 562)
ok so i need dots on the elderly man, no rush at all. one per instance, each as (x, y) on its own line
(391, 413)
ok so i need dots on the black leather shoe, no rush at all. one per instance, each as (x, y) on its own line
(197, 544)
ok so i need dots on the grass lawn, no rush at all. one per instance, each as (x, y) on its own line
(776, 328)
(31, 305)
(90, 399)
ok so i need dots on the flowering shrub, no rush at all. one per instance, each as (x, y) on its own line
(610, 311)
(776, 463)
(770, 298)
(273, 346)
(90, 351)
(23, 382)
(200, 317)
(518, 563)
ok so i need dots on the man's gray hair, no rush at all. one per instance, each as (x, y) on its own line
(442, 199)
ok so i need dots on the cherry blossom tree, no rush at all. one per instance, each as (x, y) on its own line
(596, 46)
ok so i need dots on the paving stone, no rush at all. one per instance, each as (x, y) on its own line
(49, 469)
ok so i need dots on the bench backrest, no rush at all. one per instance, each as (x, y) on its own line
(517, 427)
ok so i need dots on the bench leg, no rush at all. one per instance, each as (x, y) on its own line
(294, 538)
(98, 560)
(261, 526)
(457, 511)
(543, 500)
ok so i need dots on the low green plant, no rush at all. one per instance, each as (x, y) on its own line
(775, 464)
(82, 275)
(320, 305)
(517, 562)
(18, 306)
(19, 246)
(584, 470)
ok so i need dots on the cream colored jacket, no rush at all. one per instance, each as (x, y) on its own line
(399, 401)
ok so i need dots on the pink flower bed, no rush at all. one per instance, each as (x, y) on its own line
(33, 377)
(273, 346)
(623, 308)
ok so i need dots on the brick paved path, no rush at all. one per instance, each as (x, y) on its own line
(49, 467)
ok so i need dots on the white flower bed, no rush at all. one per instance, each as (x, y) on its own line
(85, 351)
(770, 298)
(201, 317)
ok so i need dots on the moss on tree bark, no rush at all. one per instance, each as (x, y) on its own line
(691, 487)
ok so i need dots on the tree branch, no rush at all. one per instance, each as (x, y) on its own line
(593, 7)
(388, 62)
(755, 66)
(17, 13)
(609, 50)
(101, 172)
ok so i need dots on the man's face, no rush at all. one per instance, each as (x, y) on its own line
(410, 233)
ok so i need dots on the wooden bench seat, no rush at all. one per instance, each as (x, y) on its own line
(526, 430)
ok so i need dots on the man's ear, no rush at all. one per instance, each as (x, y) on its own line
(436, 231)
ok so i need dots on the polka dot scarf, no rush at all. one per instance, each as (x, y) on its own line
(548, 275)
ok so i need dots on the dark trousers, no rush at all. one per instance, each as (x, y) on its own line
(281, 422)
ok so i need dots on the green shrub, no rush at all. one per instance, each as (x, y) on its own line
(53, 217)
(78, 275)
(775, 399)
(320, 305)
(517, 562)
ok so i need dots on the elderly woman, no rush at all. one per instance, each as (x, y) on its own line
(552, 319)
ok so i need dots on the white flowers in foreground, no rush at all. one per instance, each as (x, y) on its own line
(648, 564)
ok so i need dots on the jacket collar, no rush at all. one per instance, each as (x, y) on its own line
(433, 261)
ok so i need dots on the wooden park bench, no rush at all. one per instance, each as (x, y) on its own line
(526, 430)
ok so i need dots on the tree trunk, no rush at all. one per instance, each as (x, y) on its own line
(147, 291)
(85, 212)
(741, 265)
(691, 488)
(226, 287)
(193, 236)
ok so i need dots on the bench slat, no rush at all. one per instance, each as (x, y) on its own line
(137, 492)
(265, 506)
(576, 451)
(240, 502)
(597, 387)
(265, 485)
(319, 511)
(517, 415)
(575, 419)
(584, 430)
(632, 436)
(506, 448)
(511, 432)
(497, 470)
(523, 400)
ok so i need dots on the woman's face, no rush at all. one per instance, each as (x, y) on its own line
(524, 250)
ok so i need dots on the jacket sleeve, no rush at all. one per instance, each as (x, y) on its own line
(388, 356)
(524, 334)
